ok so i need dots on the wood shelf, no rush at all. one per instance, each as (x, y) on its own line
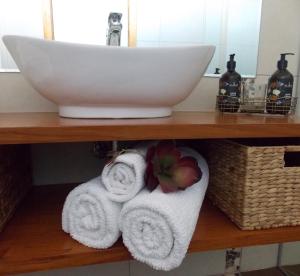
(22, 128)
(33, 239)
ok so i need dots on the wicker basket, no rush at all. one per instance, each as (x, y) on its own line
(15, 178)
(256, 183)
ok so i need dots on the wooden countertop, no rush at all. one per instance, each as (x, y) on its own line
(21, 128)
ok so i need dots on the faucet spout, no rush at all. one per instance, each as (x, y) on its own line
(113, 37)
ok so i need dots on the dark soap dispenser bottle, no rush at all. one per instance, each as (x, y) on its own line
(280, 89)
(230, 88)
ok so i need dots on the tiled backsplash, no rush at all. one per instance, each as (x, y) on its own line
(197, 264)
(112, 269)
(64, 163)
(259, 257)
(290, 254)
(204, 263)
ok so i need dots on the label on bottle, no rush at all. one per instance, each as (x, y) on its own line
(230, 89)
(279, 97)
(280, 90)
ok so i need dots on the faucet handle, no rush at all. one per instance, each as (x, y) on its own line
(113, 36)
(114, 18)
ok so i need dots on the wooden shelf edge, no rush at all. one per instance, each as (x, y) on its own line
(33, 239)
(23, 128)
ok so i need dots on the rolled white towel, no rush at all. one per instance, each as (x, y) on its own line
(90, 217)
(124, 176)
(158, 227)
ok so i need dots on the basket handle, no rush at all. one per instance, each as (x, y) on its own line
(292, 156)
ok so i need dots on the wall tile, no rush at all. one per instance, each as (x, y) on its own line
(112, 269)
(64, 163)
(18, 96)
(264, 272)
(296, 87)
(298, 95)
(197, 264)
(203, 96)
(259, 257)
(290, 253)
(278, 34)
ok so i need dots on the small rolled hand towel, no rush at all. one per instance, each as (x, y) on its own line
(123, 178)
(157, 227)
(90, 217)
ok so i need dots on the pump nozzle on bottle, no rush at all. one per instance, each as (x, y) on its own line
(282, 63)
(231, 63)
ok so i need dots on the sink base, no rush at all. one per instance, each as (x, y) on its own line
(113, 112)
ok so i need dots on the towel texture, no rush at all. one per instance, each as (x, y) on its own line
(124, 177)
(90, 217)
(158, 227)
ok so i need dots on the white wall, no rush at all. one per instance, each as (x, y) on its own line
(279, 33)
(16, 95)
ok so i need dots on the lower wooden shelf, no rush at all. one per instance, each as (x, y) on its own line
(33, 240)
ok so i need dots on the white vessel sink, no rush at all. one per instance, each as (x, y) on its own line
(88, 81)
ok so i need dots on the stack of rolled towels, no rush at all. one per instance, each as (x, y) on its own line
(156, 227)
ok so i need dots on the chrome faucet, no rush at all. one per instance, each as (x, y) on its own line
(113, 36)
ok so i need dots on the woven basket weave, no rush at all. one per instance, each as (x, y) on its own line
(15, 178)
(252, 185)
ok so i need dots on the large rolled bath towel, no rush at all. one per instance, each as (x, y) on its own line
(90, 217)
(157, 227)
(124, 176)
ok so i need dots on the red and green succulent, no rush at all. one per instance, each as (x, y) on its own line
(167, 168)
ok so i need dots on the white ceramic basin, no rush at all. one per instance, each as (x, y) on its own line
(88, 81)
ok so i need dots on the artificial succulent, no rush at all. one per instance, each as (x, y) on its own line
(167, 168)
